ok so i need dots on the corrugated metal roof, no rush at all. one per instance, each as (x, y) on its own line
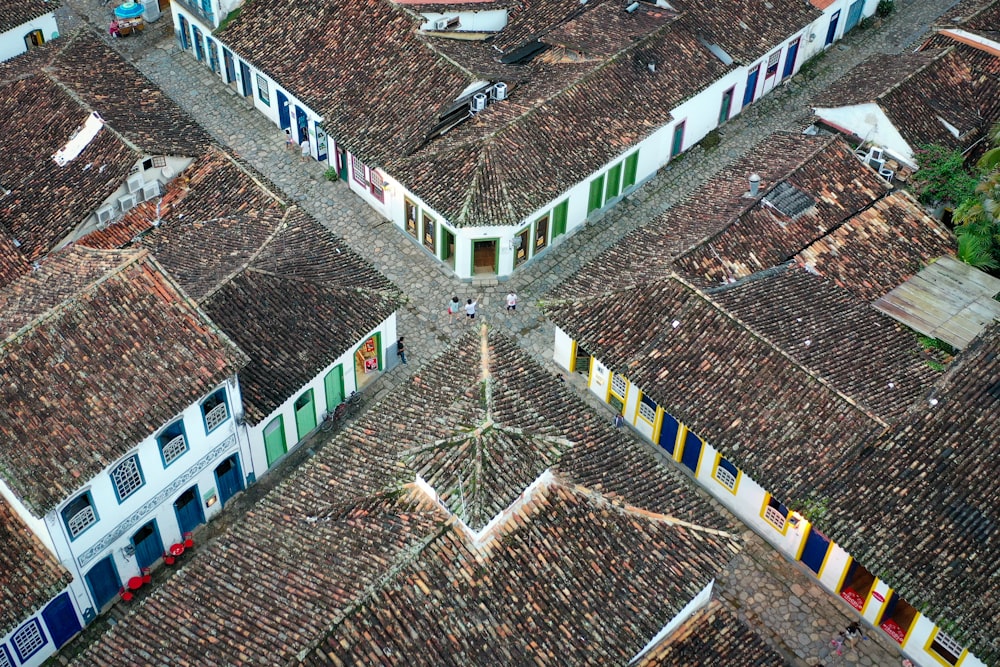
(948, 300)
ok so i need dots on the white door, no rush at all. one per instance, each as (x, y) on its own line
(771, 73)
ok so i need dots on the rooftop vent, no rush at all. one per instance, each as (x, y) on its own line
(754, 184)
(631, 8)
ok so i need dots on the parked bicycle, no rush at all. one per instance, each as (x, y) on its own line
(347, 408)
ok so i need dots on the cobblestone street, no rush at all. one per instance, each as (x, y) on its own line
(781, 600)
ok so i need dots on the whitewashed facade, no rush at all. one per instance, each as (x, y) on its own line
(787, 531)
(33, 33)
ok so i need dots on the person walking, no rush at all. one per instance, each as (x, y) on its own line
(289, 142)
(401, 350)
(511, 302)
(454, 307)
(470, 308)
(305, 149)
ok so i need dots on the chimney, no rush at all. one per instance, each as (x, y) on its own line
(754, 184)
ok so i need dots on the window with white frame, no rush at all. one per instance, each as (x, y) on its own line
(358, 170)
(127, 477)
(263, 92)
(79, 514)
(172, 442)
(28, 640)
(946, 648)
(619, 385)
(726, 474)
(214, 410)
(775, 513)
(647, 409)
(377, 185)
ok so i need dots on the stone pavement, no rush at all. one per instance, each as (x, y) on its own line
(778, 598)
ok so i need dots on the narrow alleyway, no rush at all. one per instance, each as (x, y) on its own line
(777, 597)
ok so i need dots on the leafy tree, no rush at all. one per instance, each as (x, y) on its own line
(942, 176)
(977, 218)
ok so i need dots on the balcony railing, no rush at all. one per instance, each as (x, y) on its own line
(195, 7)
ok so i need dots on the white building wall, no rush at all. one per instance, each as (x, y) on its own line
(46, 650)
(562, 352)
(257, 460)
(118, 521)
(870, 123)
(12, 42)
(485, 21)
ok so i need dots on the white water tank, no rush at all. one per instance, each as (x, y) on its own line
(150, 10)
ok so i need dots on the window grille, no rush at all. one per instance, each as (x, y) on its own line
(619, 385)
(216, 416)
(28, 640)
(127, 478)
(173, 448)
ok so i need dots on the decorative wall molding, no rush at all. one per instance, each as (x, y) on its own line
(98, 547)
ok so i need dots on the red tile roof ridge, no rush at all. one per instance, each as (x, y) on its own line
(130, 257)
(962, 37)
(751, 202)
(934, 59)
(829, 386)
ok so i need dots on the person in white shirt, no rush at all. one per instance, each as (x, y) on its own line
(511, 303)
(470, 309)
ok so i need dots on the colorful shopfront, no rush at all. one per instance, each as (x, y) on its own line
(368, 360)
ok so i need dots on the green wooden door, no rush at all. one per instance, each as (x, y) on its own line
(596, 194)
(614, 181)
(559, 214)
(274, 440)
(631, 166)
(305, 414)
(333, 384)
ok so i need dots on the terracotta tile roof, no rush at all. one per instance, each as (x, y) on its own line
(920, 505)
(64, 81)
(467, 174)
(64, 416)
(973, 15)
(712, 636)
(879, 248)
(747, 29)
(869, 357)
(343, 531)
(743, 396)
(13, 264)
(14, 13)
(769, 233)
(292, 295)
(570, 579)
(958, 85)
(303, 300)
(29, 574)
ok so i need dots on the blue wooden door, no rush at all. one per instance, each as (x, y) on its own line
(188, 509)
(245, 84)
(227, 58)
(854, 15)
(103, 582)
(668, 434)
(199, 43)
(793, 52)
(148, 545)
(213, 55)
(692, 451)
(301, 124)
(814, 552)
(183, 35)
(284, 115)
(751, 90)
(228, 479)
(831, 32)
(61, 619)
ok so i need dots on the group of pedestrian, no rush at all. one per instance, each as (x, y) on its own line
(471, 306)
(290, 143)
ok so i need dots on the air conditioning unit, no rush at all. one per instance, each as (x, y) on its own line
(127, 202)
(499, 91)
(150, 190)
(104, 215)
(441, 24)
(135, 182)
(477, 103)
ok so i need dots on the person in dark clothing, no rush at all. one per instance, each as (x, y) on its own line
(401, 350)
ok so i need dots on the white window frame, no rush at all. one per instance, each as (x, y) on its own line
(947, 643)
(127, 475)
(723, 476)
(88, 511)
(358, 167)
(35, 636)
(615, 378)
